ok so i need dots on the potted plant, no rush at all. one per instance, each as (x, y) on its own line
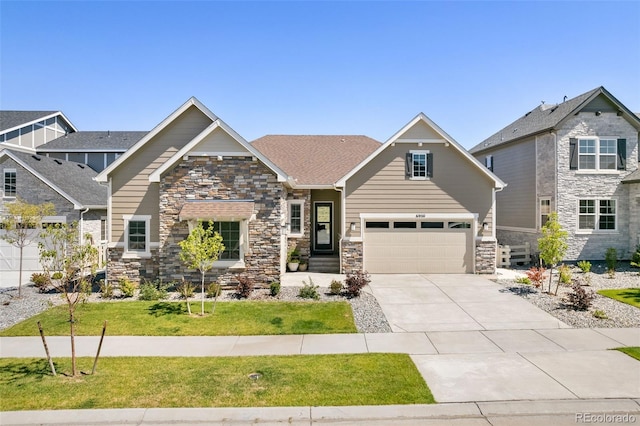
(293, 260)
(303, 265)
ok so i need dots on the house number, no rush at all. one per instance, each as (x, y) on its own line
(421, 215)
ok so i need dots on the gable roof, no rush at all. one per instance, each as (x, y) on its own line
(103, 175)
(421, 117)
(104, 141)
(632, 178)
(316, 160)
(548, 117)
(11, 120)
(74, 181)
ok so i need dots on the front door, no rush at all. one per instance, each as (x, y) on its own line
(323, 215)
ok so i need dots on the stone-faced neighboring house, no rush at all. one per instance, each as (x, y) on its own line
(27, 130)
(417, 203)
(578, 158)
(69, 186)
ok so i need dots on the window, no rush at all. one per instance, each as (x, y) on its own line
(432, 225)
(597, 215)
(597, 153)
(419, 165)
(137, 235)
(230, 233)
(459, 225)
(9, 182)
(488, 162)
(404, 225)
(377, 225)
(103, 228)
(296, 217)
(545, 211)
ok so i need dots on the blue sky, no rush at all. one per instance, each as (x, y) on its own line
(315, 67)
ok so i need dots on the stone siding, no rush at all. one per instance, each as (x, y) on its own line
(351, 253)
(239, 178)
(634, 216)
(485, 257)
(303, 243)
(132, 269)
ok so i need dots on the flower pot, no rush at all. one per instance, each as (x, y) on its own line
(293, 267)
(302, 267)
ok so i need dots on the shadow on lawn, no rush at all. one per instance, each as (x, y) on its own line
(167, 308)
(632, 294)
(33, 369)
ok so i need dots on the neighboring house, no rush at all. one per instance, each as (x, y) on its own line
(417, 203)
(95, 149)
(71, 188)
(579, 158)
(27, 130)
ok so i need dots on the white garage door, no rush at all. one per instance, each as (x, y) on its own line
(402, 247)
(10, 263)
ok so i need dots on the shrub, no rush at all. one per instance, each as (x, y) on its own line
(356, 282)
(274, 288)
(565, 274)
(214, 290)
(41, 281)
(536, 275)
(56, 276)
(106, 290)
(308, 290)
(186, 289)
(611, 259)
(245, 287)
(585, 266)
(523, 280)
(153, 290)
(335, 287)
(635, 258)
(127, 287)
(579, 298)
(600, 314)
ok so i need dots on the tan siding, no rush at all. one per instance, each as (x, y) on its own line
(457, 186)
(421, 131)
(133, 194)
(219, 141)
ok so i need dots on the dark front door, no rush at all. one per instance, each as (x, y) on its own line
(323, 218)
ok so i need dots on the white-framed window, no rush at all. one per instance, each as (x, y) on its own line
(234, 235)
(545, 210)
(419, 164)
(137, 230)
(597, 215)
(10, 182)
(488, 162)
(295, 217)
(596, 153)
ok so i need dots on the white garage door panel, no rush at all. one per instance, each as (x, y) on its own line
(395, 251)
(10, 263)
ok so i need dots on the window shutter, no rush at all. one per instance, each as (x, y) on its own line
(430, 165)
(573, 149)
(622, 154)
(408, 165)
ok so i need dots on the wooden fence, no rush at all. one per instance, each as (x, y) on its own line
(514, 255)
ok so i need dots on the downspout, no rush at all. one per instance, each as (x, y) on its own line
(82, 225)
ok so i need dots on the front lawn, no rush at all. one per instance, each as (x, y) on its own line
(633, 351)
(171, 319)
(630, 296)
(298, 380)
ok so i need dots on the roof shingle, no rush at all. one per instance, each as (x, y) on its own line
(93, 141)
(11, 119)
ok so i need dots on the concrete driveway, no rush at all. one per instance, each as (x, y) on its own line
(421, 303)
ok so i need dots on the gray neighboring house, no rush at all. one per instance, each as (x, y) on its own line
(579, 158)
(70, 186)
(95, 149)
(27, 130)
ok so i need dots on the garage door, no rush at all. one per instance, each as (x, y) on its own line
(401, 247)
(10, 263)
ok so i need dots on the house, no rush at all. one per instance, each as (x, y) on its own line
(27, 130)
(69, 186)
(578, 158)
(417, 203)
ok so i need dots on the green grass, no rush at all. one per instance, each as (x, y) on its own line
(171, 319)
(630, 296)
(298, 380)
(633, 351)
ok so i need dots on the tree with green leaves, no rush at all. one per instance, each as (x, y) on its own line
(21, 226)
(200, 250)
(553, 245)
(71, 264)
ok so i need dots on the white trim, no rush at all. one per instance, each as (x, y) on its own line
(419, 141)
(216, 154)
(596, 216)
(38, 120)
(313, 225)
(243, 240)
(516, 229)
(597, 154)
(288, 218)
(539, 209)
(418, 216)
(147, 246)
(426, 164)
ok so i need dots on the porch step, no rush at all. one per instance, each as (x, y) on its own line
(324, 264)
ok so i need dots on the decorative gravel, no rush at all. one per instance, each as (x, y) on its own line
(619, 314)
(367, 313)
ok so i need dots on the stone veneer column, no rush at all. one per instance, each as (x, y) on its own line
(351, 253)
(486, 257)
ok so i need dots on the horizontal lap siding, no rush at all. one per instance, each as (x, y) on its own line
(133, 194)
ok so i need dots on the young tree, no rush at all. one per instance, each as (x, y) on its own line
(71, 265)
(200, 250)
(552, 245)
(21, 225)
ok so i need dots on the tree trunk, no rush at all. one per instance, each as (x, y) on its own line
(73, 342)
(202, 296)
(550, 277)
(20, 275)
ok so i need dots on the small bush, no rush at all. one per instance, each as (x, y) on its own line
(565, 274)
(356, 282)
(106, 290)
(245, 287)
(600, 314)
(611, 273)
(523, 280)
(127, 288)
(41, 281)
(611, 259)
(274, 288)
(56, 276)
(579, 298)
(635, 257)
(153, 290)
(585, 266)
(308, 290)
(213, 290)
(186, 289)
(335, 287)
(536, 275)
